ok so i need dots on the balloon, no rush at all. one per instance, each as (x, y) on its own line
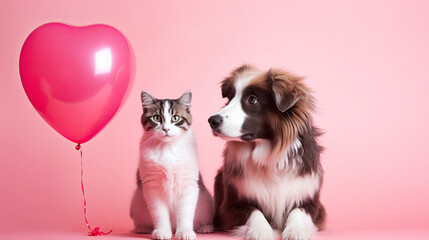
(77, 78)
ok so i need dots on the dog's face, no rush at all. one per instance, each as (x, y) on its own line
(242, 118)
(260, 105)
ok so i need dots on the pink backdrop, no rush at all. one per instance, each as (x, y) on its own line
(366, 61)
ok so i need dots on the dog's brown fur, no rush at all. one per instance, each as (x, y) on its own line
(285, 114)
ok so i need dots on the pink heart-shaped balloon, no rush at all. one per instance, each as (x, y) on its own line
(77, 78)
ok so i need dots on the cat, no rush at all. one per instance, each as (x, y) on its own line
(170, 195)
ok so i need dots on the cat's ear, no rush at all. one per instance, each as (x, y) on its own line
(147, 99)
(186, 99)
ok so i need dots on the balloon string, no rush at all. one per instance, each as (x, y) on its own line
(96, 231)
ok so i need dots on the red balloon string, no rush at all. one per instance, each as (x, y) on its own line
(96, 231)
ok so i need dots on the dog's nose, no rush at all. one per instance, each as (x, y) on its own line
(215, 121)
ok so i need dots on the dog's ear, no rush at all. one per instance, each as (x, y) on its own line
(284, 90)
(228, 89)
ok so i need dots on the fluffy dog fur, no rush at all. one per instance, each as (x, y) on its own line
(271, 174)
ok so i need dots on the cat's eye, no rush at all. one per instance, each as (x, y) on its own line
(175, 118)
(252, 100)
(157, 118)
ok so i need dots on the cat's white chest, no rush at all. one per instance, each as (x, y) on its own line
(173, 184)
(182, 151)
(170, 170)
(166, 157)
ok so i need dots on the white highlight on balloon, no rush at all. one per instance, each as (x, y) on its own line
(103, 61)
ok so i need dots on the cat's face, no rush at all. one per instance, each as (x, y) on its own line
(168, 119)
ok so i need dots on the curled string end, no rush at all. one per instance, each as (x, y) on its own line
(96, 232)
(92, 231)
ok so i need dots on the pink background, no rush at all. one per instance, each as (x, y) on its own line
(366, 61)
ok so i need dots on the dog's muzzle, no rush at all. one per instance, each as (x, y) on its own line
(215, 122)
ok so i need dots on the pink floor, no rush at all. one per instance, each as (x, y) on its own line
(331, 235)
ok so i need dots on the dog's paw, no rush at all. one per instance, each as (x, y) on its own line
(260, 234)
(141, 229)
(256, 228)
(299, 226)
(162, 234)
(185, 235)
(205, 229)
(296, 233)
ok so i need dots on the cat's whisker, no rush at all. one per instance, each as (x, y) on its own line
(146, 141)
(149, 140)
(153, 144)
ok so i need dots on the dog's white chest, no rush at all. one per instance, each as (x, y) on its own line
(277, 195)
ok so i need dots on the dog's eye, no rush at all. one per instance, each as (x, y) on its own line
(175, 118)
(157, 118)
(253, 100)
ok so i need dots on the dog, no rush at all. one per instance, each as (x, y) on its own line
(271, 175)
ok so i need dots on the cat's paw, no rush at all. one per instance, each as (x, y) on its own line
(185, 235)
(162, 234)
(205, 229)
(141, 229)
(296, 233)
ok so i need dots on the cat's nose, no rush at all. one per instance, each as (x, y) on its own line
(215, 121)
(166, 129)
